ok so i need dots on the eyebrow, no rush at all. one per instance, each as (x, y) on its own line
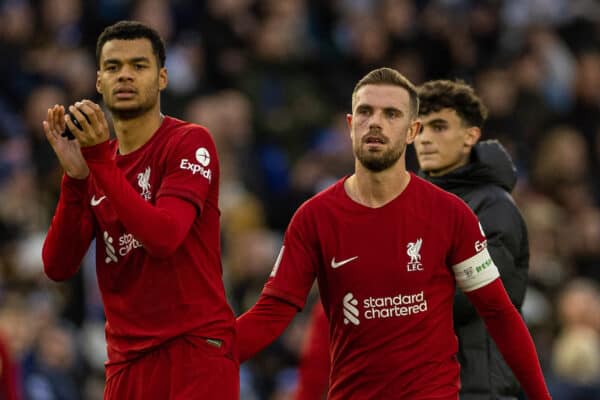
(437, 121)
(129, 60)
(366, 105)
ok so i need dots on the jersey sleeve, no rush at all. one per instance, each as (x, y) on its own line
(192, 166)
(313, 371)
(295, 267)
(471, 262)
(162, 227)
(70, 232)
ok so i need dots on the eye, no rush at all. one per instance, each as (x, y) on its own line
(438, 128)
(391, 114)
(363, 111)
(139, 66)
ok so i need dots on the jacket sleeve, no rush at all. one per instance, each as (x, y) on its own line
(170, 219)
(507, 244)
(70, 232)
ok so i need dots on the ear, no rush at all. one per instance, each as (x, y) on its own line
(163, 78)
(98, 86)
(413, 130)
(349, 120)
(472, 136)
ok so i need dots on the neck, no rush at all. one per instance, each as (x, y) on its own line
(376, 189)
(135, 132)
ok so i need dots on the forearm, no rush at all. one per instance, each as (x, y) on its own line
(512, 337)
(161, 228)
(262, 324)
(70, 232)
(313, 372)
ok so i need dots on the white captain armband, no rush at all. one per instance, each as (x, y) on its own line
(475, 272)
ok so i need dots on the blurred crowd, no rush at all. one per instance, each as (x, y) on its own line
(272, 81)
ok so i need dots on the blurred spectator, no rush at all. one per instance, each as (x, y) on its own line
(269, 79)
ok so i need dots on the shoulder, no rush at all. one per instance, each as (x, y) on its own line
(183, 130)
(435, 197)
(321, 203)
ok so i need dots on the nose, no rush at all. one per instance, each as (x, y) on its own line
(125, 73)
(375, 120)
(423, 136)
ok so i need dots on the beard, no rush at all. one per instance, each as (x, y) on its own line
(133, 111)
(379, 161)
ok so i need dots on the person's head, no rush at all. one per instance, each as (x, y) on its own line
(383, 119)
(452, 116)
(131, 68)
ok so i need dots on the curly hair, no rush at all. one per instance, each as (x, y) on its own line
(456, 95)
(131, 30)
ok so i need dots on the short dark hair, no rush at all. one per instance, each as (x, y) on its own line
(131, 30)
(389, 76)
(456, 95)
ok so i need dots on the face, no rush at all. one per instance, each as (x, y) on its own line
(129, 78)
(381, 125)
(444, 142)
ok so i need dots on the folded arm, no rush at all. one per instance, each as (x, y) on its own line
(162, 227)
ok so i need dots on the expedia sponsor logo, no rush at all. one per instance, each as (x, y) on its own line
(480, 245)
(195, 168)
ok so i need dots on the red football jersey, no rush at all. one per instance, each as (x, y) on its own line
(387, 278)
(149, 299)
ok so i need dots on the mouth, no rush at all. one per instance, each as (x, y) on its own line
(124, 93)
(374, 139)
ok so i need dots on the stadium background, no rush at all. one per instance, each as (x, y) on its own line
(272, 80)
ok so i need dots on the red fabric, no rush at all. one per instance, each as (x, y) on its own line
(154, 213)
(8, 372)
(386, 284)
(186, 368)
(262, 324)
(510, 333)
(313, 371)
(70, 232)
(171, 217)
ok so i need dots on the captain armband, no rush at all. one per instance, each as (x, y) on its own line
(475, 272)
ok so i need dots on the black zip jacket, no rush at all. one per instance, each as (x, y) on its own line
(485, 185)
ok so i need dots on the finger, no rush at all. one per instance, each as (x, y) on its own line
(97, 117)
(51, 120)
(60, 118)
(74, 130)
(78, 115)
(50, 134)
(88, 111)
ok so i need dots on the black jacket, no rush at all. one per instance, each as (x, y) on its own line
(485, 185)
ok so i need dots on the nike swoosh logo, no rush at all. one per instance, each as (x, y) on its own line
(338, 264)
(94, 202)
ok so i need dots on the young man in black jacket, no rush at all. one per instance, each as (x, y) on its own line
(483, 175)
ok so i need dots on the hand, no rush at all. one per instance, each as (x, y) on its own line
(68, 151)
(93, 123)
